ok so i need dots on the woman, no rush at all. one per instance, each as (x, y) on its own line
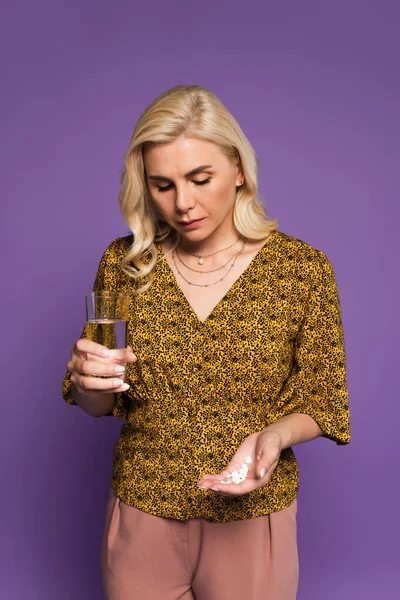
(236, 354)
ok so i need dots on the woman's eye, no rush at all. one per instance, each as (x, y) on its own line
(165, 188)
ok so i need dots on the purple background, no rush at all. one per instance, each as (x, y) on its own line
(315, 86)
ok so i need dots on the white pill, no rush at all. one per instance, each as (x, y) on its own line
(247, 460)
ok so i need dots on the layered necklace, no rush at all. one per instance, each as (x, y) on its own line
(201, 258)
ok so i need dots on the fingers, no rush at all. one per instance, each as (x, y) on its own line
(84, 345)
(86, 349)
(216, 478)
(91, 367)
(250, 468)
(268, 449)
(94, 385)
(235, 471)
(236, 480)
(231, 489)
(95, 368)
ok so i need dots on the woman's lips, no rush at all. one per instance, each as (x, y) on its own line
(190, 224)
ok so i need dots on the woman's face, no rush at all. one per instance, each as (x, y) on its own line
(191, 180)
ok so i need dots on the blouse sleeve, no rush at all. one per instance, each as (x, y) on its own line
(106, 279)
(317, 383)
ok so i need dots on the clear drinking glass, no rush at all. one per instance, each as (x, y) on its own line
(107, 314)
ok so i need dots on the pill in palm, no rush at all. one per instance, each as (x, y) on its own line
(240, 475)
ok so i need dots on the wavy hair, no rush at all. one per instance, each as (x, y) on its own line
(195, 112)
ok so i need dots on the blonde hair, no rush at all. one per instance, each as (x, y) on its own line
(195, 112)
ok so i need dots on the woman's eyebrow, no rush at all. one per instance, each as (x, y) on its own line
(190, 174)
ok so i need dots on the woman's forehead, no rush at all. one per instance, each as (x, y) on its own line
(182, 155)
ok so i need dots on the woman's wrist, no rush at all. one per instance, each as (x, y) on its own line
(295, 428)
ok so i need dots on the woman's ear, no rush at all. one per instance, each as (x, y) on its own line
(239, 179)
(240, 175)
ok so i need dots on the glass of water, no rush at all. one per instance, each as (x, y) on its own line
(107, 314)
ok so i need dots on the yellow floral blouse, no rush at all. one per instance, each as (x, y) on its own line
(272, 346)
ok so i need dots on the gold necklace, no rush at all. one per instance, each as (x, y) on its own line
(201, 257)
(214, 282)
(211, 270)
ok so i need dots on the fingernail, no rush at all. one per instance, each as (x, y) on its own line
(130, 351)
(119, 368)
(125, 387)
(106, 352)
(262, 472)
(117, 382)
(215, 489)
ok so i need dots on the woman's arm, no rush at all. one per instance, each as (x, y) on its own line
(295, 429)
(317, 384)
(107, 278)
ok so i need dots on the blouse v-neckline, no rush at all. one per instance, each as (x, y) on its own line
(168, 272)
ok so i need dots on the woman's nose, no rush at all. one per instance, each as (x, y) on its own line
(184, 200)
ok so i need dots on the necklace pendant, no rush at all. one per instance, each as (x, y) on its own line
(201, 260)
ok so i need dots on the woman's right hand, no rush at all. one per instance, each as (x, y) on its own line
(90, 358)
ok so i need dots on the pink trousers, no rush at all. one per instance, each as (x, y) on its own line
(145, 557)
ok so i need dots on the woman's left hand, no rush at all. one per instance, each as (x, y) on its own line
(264, 448)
